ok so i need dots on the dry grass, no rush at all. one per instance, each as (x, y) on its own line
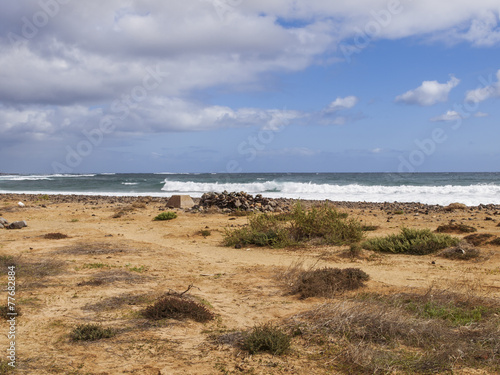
(478, 239)
(322, 282)
(55, 236)
(387, 335)
(463, 251)
(455, 228)
(97, 248)
(114, 276)
(178, 307)
(117, 302)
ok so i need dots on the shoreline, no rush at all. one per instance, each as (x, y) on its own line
(409, 207)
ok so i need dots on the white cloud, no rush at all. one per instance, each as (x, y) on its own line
(429, 93)
(448, 116)
(481, 114)
(341, 103)
(486, 92)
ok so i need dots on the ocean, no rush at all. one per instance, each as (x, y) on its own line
(429, 188)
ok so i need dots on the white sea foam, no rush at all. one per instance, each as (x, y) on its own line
(31, 177)
(130, 183)
(470, 195)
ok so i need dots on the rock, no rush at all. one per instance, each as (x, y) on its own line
(17, 225)
(455, 206)
(3, 221)
(1, 226)
(20, 204)
(180, 201)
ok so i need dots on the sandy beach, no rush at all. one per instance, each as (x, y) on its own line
(136, 260)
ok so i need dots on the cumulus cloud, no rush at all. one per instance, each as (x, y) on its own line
(341, 103)
(448, 116)
(429, 93)
(482, 93)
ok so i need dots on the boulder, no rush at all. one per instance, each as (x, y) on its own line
(180, 201)
(3, 221)
(17, 225)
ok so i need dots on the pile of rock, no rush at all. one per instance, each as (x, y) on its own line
(15, 225)
(228, 202)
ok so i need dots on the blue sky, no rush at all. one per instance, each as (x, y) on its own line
(240, 86)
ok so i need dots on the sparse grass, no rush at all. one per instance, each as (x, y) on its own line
(74, 221)
(463, 251)
(267, 338)
(399, 212)
(5, 310)
(455, 228)
(138, 269)
(91, 332)
(96, 248)
(178, 307)
(478, 239)
(55, 236)
(113, 276)
(369, 228)
(495, 242)
(240, 213)
(169, 215)
(5, 368)
(322, 282)
(117, 302)
(95, 265)
(320, 225)
(411, 241)
(403, 333)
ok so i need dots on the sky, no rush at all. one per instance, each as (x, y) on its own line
(249, 86)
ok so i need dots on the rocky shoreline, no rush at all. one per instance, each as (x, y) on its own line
(243, 201)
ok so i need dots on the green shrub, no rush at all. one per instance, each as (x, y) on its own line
(322, 224)
(267, 338)
(411, 241)
(177, 307)
(169, 215)
(205, 232)
(91, 332)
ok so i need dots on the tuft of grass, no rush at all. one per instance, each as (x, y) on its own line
(369, 228)
(178, 307)
(267, 338)
(495, 242)
(411, 241)
(463, 251)
(205, 232)
(5, 310)
(74, 221)
(55, 236)
(399, 212)
(169, 215)
(95, 265)
(323, 225)
(91, 332)
(5, 368)
(478, 238)
(327, 282)
(455, 228)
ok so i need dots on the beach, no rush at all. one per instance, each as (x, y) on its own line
(136, 259)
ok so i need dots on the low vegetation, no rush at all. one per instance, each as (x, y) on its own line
(403, 333)
(91, 332)
(55, 236)
(455, 228)
(478, 239)
(463, 251)
(411, 241)
(324, 282)
(178, 307)
(320, 225)
(6, 310)
(169, 215)
(267, 338)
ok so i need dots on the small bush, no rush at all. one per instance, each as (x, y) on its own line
(324, 225)
(455, 228)
(169, 215)
(463, 251)
(177, 307)
(411, 241)
(55, 236)
(205, 233)
(267, 338)
(91, 332)
(478, 238)
(328, 282)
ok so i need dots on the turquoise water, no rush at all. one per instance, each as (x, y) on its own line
(430, 188)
